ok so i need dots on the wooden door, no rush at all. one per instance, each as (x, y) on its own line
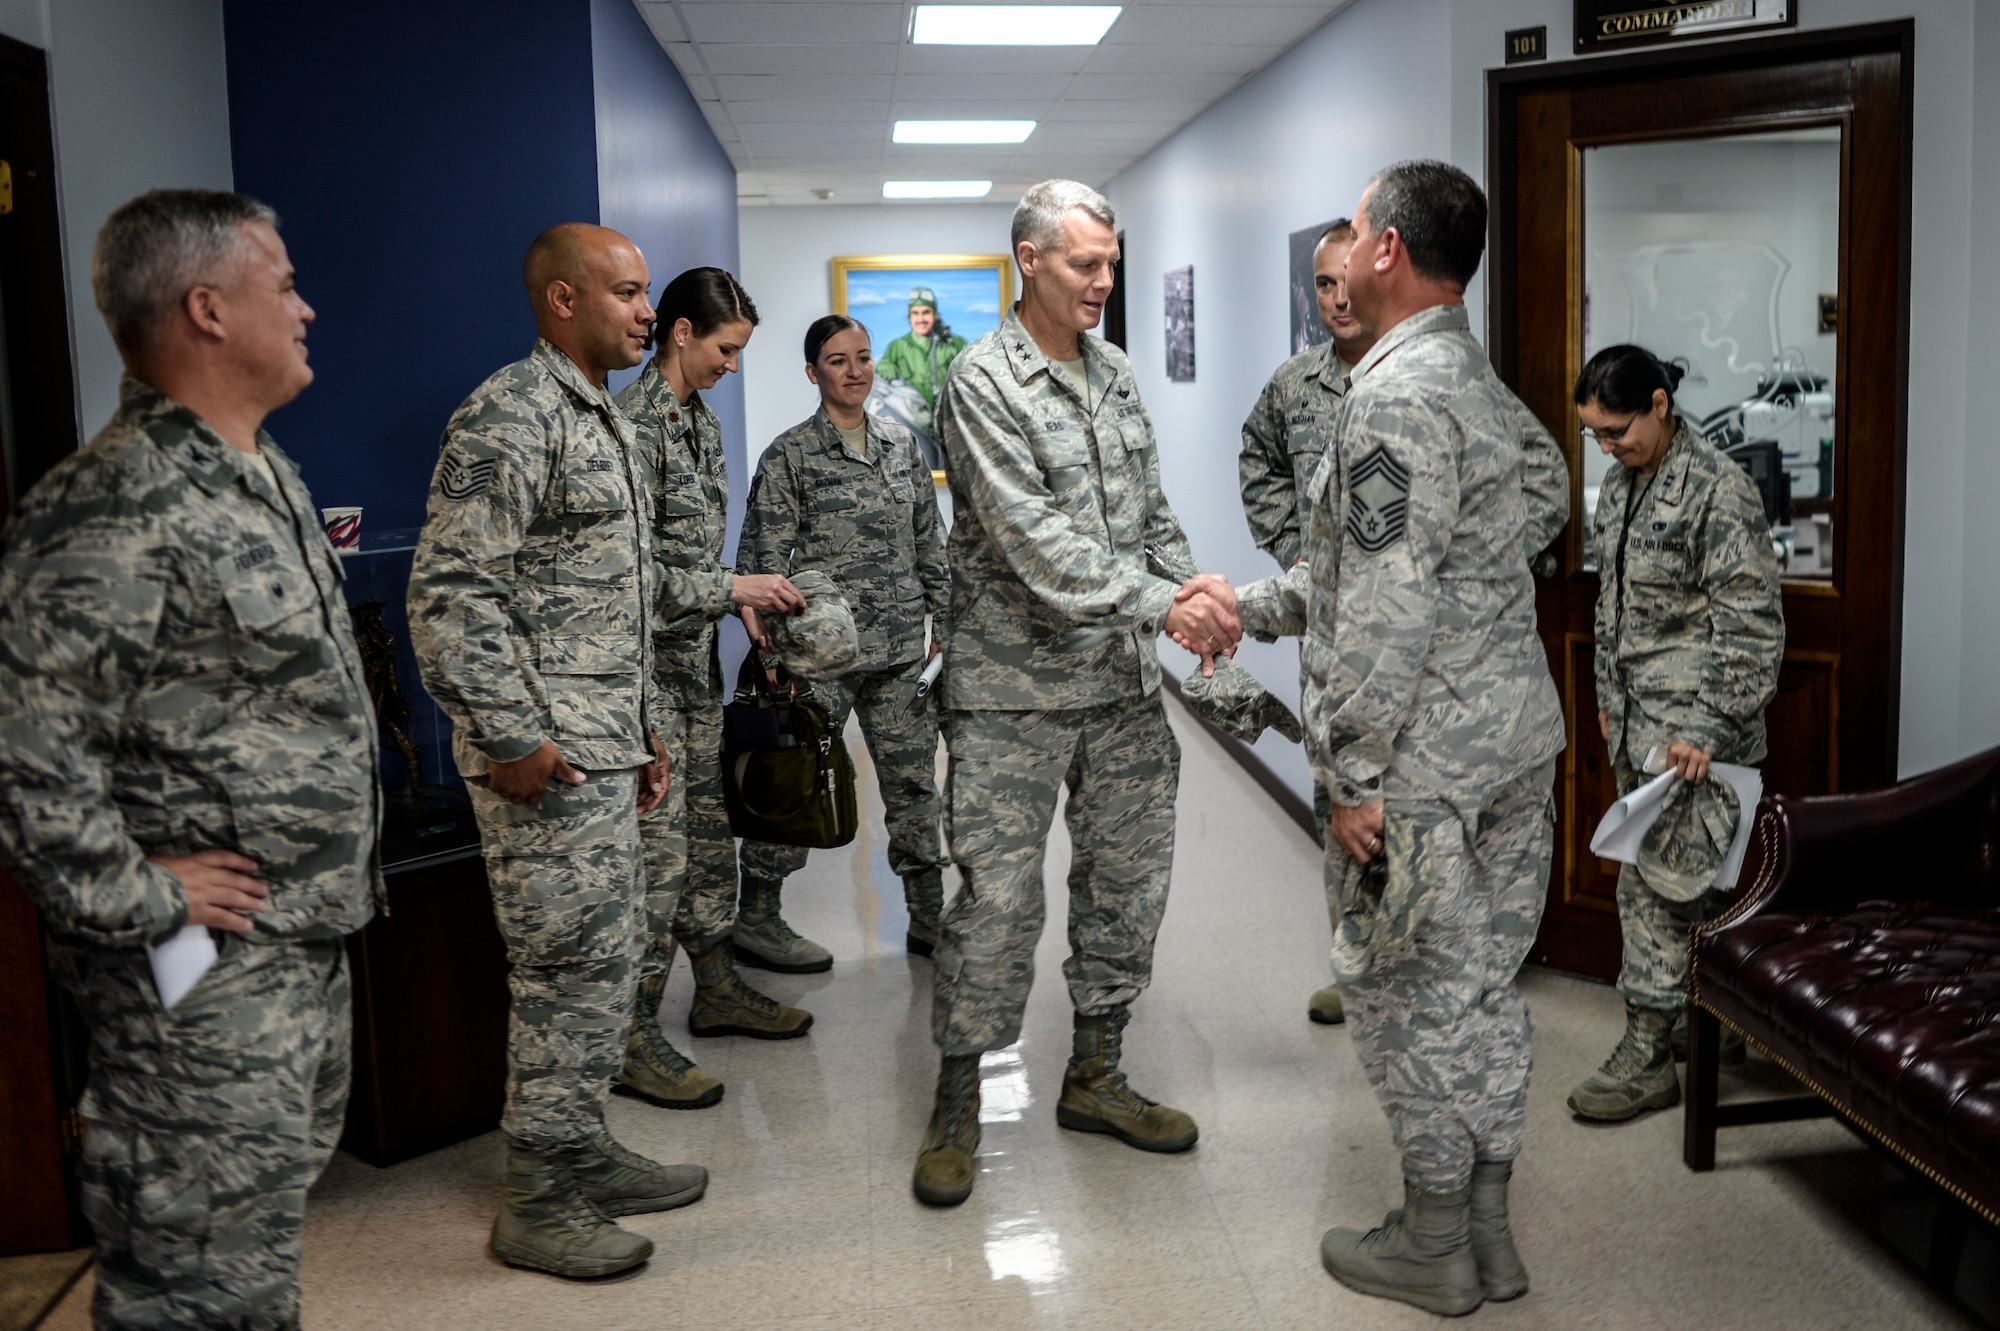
(1833, 724)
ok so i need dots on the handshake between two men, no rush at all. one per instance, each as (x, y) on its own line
(1204, 619)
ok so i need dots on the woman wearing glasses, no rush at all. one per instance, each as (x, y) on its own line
(1689, 636)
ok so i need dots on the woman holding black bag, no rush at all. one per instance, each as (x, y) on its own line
(849, 495)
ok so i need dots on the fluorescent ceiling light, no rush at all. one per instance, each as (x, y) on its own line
(936, 189)
(962, 131)
(1012, 25)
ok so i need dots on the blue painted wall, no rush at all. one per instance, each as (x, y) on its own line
(413, 148)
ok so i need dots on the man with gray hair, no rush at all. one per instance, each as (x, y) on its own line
(186, 740)
(1052, 678)
(1432, 721)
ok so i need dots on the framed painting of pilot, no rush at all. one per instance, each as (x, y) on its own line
(920, 311)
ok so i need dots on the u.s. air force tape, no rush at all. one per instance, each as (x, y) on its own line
(1378, 503)
(460, 479)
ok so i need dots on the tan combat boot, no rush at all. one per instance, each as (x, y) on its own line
(1637, 1077)
(923, 893)
(1097, 1098)
(724, 1005)
(654, 1069)
(547, 1224)
(945, 1168)
(1326, 1008)
(1421, 1254)
(623, 1182)
(763, 939)
(1501, 1274)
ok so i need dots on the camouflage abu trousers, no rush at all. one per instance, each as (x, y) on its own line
(1653, 970)
(568, 892)
(902, 735)
(206, 1126)
(690, 851)
(1122, 765)
(1440, 1028)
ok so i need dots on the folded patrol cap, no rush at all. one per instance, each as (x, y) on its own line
(819, 642)
(1237, 704)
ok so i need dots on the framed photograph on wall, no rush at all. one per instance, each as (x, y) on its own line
(1180, 324)
(920, 311)
(1307, 331)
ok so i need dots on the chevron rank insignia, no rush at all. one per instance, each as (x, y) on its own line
(459, 479)
(1378, 504)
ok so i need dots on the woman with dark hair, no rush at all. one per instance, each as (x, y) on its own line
(849, 494)
(1689, 635)
(705, 320)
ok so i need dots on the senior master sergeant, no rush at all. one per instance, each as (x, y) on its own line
(1433, 722)
(1052, 678)
(186, 739)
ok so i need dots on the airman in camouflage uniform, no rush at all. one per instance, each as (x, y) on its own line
(531, 613)
(180, 690)
(870, 521)
(1052, 678)
(1429, 711)
(1690, 634)
(690, 850)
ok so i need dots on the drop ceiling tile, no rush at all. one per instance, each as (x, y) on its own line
(813, 21)
(837, 108)
(803, 87)
(967, 108)
(1175, 112)
(1231, 25)
(1015, 87)
(778, 57)
(815, 131)
(994, 59)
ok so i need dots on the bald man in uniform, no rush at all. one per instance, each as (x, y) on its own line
(531, 613)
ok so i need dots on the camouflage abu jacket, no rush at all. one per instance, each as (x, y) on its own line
(531, 588)
(1425, 679)
(680, 452)
(178, 673)
(1690, 626)
(871, 524)
(1055, 501)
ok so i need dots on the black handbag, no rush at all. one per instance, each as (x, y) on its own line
(786, 776)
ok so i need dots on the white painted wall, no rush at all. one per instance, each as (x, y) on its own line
(140, 100)
(787, 271)
(1388, 79)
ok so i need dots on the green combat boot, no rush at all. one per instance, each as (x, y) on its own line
(654, 1069)
(724, 1005)
(764, 940)
(1501, 1274)
(923, 893)
(1421, 1254)
(623, 1182)
(1638, 1076)
(1097, 1098)
(945, 1169)
(547, 1224)
(1733, 1050)
(1326, 1008)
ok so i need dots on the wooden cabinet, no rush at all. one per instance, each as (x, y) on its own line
(430, 1014)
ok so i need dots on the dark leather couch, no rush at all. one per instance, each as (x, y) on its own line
(1865, 959)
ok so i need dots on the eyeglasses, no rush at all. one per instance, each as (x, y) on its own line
(1613, 436)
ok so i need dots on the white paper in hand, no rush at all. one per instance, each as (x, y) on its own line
(1626, 823)
(180, 962)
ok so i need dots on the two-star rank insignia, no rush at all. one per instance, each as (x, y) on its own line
(1378, 503)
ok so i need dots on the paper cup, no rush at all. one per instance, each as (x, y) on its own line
(343, 527)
